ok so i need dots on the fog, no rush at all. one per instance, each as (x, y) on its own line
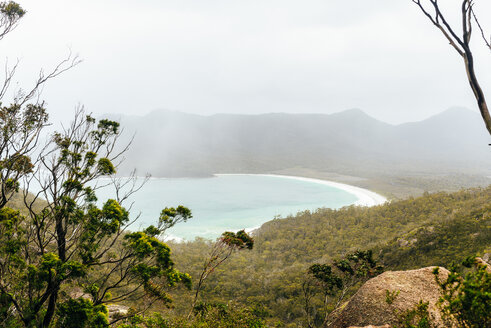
(228, 56)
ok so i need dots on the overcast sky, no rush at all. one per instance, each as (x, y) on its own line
(247, 56)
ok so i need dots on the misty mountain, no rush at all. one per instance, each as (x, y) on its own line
(174, 144)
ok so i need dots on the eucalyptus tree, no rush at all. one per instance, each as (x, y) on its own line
(226, 245)
(333, 283)
(461, 42)
(24, 116)
(64, 241)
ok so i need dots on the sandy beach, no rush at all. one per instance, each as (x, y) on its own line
(365, 197)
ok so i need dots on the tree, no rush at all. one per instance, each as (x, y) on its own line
(214, 315)
(11, 13)
(334, 282)
(466, 297)
(64, 240)
(224, 247)
(22, 120)
(67, 241)
(461, 44)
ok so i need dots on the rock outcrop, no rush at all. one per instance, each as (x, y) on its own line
(116, 311)
(369, 306)
(482, 262)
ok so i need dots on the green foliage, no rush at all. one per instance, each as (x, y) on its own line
(455, 225)
(148, 247)
(81, 313)
(207, 315)
(359, 264)
(226, 315)
(9, 220)
(51, 268)
(467, 296)
(105, 166)
(99, 224)
(418, 317)
(334, 282)
(107, 127)
(390, 297)
(169, 217)
(227, 244)
(460, 231)
(21, 164)
(19, 126)
(12, 10)
(6, 315)
(60, 240)
(325, 275)
(66, 240)
(12, 243)
(113, 216)
(237, 240)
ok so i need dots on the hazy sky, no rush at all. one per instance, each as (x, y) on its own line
(254, 56)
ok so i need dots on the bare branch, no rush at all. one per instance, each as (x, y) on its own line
(69, 62)
(125, 187)
(435, 19)
(9, 74)
(486, 41)
(462, 46)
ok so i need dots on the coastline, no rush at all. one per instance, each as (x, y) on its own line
(365, 197)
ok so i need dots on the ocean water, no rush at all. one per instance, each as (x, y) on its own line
(228, 202)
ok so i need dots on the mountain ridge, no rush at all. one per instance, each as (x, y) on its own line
(179, 144)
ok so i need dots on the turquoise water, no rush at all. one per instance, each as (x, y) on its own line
(230, 202)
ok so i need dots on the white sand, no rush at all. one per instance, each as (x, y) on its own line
(365, 196)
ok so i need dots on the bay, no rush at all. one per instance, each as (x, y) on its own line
(228, 202)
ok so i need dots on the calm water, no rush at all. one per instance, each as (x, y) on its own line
(231, 202)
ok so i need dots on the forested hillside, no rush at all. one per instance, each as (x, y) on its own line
(266, 282)
(435, 229)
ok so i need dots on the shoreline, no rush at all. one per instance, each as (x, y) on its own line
(365, 197)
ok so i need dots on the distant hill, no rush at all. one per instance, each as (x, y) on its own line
(174, 144)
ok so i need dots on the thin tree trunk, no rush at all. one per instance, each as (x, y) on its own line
(50, 311)
(476, 89)
(462, 46)
(61, 240)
